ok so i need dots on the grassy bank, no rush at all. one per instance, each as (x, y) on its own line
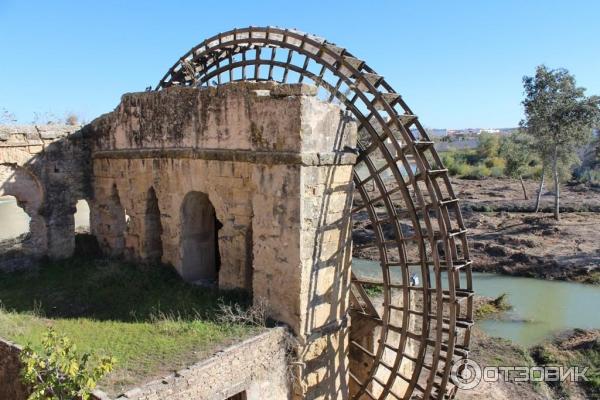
(145, 316)
(577, 348)
(486, 308)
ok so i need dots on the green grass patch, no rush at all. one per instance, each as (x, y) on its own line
(145, 316)
(491, 307)
(373, 290)
(585, 352)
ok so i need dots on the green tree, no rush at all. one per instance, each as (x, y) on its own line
(488, 146)
(559, 117)
(58, 373)
(516, 149)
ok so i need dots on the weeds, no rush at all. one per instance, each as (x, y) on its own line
(255, 315)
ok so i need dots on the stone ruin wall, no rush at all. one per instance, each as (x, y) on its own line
(268, 157)
(47, 168)
(10, 384)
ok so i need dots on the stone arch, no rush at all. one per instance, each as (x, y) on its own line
(200, 258)
(153, 247)
(20, 183)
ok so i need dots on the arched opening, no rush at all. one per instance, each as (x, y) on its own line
(119, 217)
(199, 239)
(15, 221)
(21, 197)
(153, 229)
(82, 217)
(86, 243)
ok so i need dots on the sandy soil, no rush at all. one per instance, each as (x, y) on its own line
(535, 246)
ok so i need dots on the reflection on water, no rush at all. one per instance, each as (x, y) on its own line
(540, 307)
(15, 221)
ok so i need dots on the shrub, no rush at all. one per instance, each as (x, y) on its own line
(589, 177)
(58, 373)
(463, 169)
(495, 162)
(479, 172)
(497, 172)
(72, 119)
(489, 145)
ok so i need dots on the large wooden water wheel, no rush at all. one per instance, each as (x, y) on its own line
(412, 314)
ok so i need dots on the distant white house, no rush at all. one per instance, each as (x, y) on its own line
(489, 130)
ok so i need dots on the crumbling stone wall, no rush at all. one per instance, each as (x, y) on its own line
(47, 168)
(257, 367)
(10, 366)
(269, 158)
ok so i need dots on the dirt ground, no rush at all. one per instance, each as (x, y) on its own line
(501, 194)
(507, 237)
(487, 351)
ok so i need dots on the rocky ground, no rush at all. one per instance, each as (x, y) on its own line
(507, 237)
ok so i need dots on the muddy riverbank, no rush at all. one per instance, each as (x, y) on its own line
(507, 237)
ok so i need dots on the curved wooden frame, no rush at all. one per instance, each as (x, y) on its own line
(406, 188)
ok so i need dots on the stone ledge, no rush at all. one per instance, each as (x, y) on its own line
(256, 359)
(249, 156)
(34, 134)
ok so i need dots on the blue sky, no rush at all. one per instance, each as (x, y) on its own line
(457, 63)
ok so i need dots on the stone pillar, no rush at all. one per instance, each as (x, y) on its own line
(60, 226)
(302, 246)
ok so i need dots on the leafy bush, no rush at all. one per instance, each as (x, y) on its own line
(495, 162)
(489, 145)
(497, 172)
(478, 172)
(59, 373)
(590, 177)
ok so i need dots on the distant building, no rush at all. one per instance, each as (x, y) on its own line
(489, 131)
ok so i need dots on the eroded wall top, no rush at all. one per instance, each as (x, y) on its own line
(248, 116)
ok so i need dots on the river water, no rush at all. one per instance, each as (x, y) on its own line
(540, 307)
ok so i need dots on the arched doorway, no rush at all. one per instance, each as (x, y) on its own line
(153, 229)
(199, 240)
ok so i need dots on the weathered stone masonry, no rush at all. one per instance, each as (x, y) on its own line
(270, 160)
(47, 168)
(246, 185)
